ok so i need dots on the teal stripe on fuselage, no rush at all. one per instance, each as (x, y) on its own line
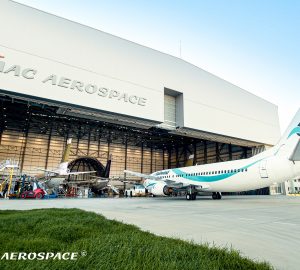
(223, 176)
(211, 178)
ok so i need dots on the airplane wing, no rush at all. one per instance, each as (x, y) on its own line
(180, 185)
(78, 173)
(88, 181)
(146, 176)
(48, 171)
(169, 182)
(99, 178)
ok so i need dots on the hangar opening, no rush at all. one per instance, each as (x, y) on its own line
(35, 134)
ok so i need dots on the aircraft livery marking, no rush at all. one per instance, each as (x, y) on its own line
(295, 130)
(212, 178)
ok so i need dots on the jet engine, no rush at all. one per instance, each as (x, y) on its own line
(161, 189)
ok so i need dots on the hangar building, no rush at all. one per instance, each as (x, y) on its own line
(60, 79)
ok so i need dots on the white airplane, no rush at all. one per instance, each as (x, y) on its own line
(62, 169)
(275, 165)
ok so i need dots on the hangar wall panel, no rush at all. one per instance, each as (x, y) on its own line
(51, 44)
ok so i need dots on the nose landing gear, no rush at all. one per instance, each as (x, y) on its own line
(216, 196)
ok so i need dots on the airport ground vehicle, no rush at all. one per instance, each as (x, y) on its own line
(137, 190)
(33, 194)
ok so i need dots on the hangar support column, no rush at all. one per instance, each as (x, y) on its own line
(151, 159)
(230, 151)
(195, 154)
(27, 125)
(205, 152)
(142, 157)
(169, 158)
(48, 146)
(126, 154)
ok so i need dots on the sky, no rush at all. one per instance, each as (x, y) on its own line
(254, 44)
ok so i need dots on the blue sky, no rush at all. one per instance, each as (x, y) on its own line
(253, 44)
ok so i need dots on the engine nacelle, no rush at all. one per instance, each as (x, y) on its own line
(160, 189)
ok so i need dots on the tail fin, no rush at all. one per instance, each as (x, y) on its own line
(292, 130)
(289, 144)
(107, 168)
(66, 154)
(189, 161)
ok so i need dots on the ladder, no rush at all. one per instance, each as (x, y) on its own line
(9, 165)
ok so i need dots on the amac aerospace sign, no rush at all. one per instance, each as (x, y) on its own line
(63, 82)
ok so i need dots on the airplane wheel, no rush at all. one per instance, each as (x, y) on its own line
(188, 197)
(126, 194)
(216, 196)
(194, 196)
(130, 193)
(39, 196)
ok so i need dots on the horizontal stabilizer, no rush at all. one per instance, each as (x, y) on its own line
(146, 176)
(78, 173)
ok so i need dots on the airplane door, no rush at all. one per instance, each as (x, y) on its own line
(263, 169)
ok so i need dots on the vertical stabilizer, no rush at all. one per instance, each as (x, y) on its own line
(293, 128)
(107, 168)
(288, 145)
(190, 161)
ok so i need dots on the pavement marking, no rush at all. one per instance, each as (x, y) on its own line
(246, 218)
(285, 223)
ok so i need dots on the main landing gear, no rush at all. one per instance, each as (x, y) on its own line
(191, 193)
(216, 196)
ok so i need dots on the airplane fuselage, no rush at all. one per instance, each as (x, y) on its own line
(232, 176)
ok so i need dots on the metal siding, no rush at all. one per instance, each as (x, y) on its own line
(210, 104)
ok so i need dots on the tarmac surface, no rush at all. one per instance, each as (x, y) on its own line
(260, 227)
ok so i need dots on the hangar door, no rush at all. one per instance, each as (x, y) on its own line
(170, 111)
